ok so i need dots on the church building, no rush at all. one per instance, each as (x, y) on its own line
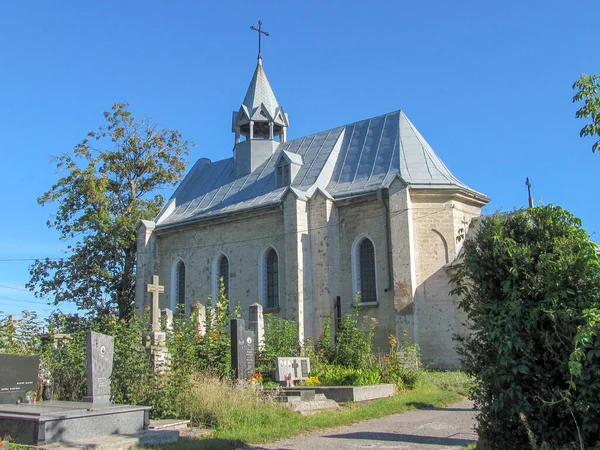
(366, 212)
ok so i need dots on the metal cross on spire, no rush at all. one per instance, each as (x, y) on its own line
(260, 31)
(529, 197)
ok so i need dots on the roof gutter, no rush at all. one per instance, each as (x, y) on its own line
(387, 237)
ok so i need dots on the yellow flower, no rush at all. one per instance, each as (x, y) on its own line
(313, 381)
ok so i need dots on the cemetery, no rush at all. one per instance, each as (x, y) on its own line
(110, 377)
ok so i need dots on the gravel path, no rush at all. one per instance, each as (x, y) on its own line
(435, 428)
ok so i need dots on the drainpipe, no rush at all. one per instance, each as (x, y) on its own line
(387, 237)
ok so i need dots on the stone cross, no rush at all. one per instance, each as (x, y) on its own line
(257, 324)
(155, 289)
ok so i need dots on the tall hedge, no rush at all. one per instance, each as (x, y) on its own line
(528, 282)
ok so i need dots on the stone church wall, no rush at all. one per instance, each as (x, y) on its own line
(436, 224)
(314, 243)
(242, 240)
(367, 216)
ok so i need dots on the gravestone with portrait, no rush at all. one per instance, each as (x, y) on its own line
(100, 351)
(242, 350)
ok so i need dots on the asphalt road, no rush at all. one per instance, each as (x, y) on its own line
(436, 428)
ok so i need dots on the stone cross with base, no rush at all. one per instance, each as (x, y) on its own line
(156, 339)
(155, 289)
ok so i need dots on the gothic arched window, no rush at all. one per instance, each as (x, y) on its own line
(270, 274)
(179, 286)
(223, 272)
(363, 270)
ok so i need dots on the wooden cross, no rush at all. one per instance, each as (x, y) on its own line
(295, 366)
(155, 289)
(260, 31)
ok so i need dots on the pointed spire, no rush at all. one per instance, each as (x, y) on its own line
(260, 93)
(260, 115)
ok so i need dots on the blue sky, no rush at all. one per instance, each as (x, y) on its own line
(487, 83)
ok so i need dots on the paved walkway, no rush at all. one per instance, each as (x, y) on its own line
(435, 428)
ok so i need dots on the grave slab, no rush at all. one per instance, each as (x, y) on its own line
(58, 421)
(352, 393)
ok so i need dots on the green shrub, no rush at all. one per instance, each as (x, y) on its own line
(334, 375)
(215, 346)
(402, 366)
(281, 337)
(528, 283)
(354, 340)
(353, 343)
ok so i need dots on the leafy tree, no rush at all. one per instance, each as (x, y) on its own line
(527, 281)
(587, 92)
(20, 336)
(110, 181)
(281, 338)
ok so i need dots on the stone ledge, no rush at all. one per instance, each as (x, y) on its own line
(353, 393)
(117, 441)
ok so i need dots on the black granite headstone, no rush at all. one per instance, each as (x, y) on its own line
(242, 350)
(18, 375)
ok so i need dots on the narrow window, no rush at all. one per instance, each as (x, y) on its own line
(223, 274)
(283, 174)
(272, 279)
(180, 286)
(366, 257)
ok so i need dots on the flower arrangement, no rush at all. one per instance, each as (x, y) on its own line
(45, 377)
(313, 381)
(256, 378)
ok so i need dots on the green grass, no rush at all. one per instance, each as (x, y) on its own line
(271, 421)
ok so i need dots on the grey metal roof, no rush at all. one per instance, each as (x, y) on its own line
(346, 161)
(260, 92)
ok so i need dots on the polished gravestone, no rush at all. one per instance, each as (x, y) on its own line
(100, 351)
(58, 421)
(242, 350)
(18, 376)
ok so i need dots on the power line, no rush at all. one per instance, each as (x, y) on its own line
(28, 259)
(23, 301)
(14, 288)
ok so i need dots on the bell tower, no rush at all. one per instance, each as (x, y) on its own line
(260, 124)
